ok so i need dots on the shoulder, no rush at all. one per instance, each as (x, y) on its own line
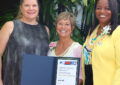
(45, 28)
(77, 49)
(8, 26)
(116, 32)
(77, 44)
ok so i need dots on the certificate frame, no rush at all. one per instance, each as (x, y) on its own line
(33, 74)
(77, 68)
(36, 70)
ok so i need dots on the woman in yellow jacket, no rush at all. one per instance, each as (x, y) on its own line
(101, 50)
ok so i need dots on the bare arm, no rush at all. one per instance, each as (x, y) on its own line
(5, 33)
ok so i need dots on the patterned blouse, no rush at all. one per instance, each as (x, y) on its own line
(92, 41)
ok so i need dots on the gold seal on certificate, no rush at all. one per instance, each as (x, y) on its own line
(67, 72)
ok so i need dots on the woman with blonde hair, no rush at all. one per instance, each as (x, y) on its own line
(65, 46)
(22, 36)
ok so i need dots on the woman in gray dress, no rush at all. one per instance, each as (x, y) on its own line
(21, 36)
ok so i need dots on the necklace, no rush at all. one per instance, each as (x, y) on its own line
(94, 38)
(92, 41)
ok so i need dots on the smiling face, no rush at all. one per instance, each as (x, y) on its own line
(64, 28)
(103, 12)
(29, 9)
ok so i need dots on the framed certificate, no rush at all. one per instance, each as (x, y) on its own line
(67, 71)
(38, 70)
(44, 70)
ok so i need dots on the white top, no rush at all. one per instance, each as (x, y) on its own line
(72, 51)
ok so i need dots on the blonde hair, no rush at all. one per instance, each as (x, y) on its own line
(66, 15)
(19, 15)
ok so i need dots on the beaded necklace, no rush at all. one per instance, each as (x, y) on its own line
(92, 41)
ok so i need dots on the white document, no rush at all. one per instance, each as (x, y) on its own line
(66, 72)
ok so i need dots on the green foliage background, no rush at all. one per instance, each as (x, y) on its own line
(48, 14)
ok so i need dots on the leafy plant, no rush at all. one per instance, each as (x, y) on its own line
(50, 9)
(88, 17)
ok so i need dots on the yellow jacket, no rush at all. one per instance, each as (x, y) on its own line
(106, 60)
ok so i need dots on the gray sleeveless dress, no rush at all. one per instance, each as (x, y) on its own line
(25, 39)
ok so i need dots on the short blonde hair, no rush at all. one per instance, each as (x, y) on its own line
(66, 15)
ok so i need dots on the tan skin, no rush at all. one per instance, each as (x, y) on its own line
(5, 32)
(29, 10)
(103, 14)
(62, 45)
(64, 30)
